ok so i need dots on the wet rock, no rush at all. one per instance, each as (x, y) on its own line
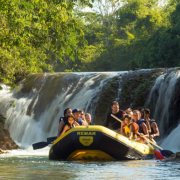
(131, 79)
(1, 126)
(3, 152)
(6, 142)
(173, 157)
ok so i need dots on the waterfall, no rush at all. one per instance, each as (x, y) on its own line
(42, 98)
(160, 99)
(172, 141)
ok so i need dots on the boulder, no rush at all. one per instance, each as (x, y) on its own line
(6, 142)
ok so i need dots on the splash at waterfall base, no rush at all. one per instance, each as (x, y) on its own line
(6, 142)
(97, 143)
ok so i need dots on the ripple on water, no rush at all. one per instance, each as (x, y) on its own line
(32, 167)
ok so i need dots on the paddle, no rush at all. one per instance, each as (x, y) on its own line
(50, 139)
(157, 154)
(40, 145)
(165, 153)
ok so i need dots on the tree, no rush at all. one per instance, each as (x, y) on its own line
(32, 31)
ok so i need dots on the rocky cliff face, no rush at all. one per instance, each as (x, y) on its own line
(6, 142)
(134, 87)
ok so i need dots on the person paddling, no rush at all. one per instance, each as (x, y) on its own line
(154, 130)
(63, 120)
(142, 126)
(116, 112)
(69, 124)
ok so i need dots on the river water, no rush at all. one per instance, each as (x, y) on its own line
(29, 164)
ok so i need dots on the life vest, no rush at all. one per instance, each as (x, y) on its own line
(139, 122)
(127, 128)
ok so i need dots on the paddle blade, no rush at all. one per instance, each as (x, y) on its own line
(166, 153)
(50, 139)
(40, 145)
(158, 154)
(162, 153)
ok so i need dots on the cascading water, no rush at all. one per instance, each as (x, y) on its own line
(42, 98)
(160, 100)
(172, 141)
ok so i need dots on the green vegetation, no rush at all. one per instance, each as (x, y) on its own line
(135, 92)
(35, 34)
(129, 34)
(2, 119)
(56, 35)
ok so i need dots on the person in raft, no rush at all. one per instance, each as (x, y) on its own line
(129, 128)
(76, 113)
(82, 116)
(116, 112)
(128, 112)
(88, 119)
(142, 117)
(143, 130)
(153, 130)
(69, 124)
(141, 110)
(63, 120)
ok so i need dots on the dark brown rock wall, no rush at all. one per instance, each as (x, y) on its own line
(6, 142)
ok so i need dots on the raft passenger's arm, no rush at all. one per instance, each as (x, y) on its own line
(65, 129)
(145, 130)
(76, 124)
(156, 130)
(131, 132)
(61, 125)
(148, 127)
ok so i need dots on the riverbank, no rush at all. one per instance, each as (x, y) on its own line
(6, 142)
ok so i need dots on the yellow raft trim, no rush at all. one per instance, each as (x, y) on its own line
(91, 130)
(94, 155)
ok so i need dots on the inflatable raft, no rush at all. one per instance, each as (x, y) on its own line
(97, 143)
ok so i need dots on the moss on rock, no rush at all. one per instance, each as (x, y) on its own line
(135, 92)
(108, 94)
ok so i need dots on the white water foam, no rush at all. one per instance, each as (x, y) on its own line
(165, 86)
(27, 152)
(172, 140)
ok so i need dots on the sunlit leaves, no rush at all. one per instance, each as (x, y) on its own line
(33, 30)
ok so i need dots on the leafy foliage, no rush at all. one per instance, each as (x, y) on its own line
(35, 34)
(131, 33)
(58, 35)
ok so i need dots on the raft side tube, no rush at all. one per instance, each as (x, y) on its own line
(97, 142)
